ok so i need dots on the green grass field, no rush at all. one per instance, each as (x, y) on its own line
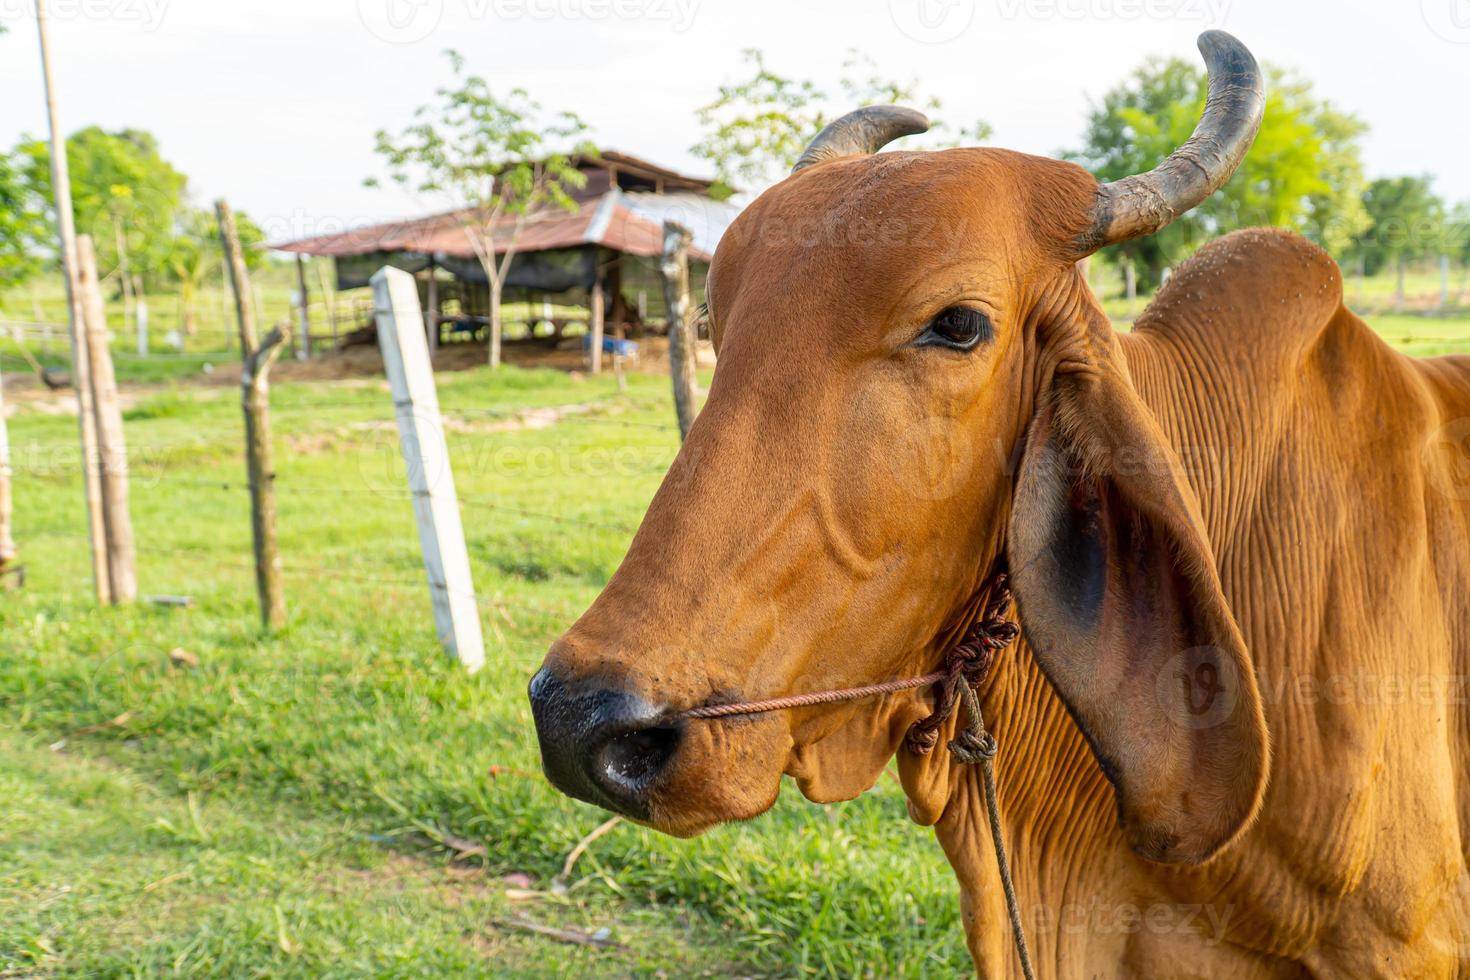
(298, 804)
(339, 799)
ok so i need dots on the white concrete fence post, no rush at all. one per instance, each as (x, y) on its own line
(426, 456)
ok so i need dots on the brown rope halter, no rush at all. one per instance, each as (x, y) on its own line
(965, 665)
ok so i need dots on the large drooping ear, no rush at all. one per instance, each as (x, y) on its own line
(1121, 604)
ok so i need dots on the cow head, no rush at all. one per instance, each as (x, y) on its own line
(915, 385)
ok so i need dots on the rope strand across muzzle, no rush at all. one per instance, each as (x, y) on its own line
(970, 659)
(965, 665)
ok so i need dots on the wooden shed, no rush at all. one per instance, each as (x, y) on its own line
(611, 243)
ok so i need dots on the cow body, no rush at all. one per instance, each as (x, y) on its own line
(1233, 740)
(1332, 479)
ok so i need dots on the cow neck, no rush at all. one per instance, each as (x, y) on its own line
(966, 665)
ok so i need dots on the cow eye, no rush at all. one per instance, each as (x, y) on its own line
(958, 328)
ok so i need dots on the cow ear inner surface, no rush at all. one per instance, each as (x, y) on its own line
(1122, 607)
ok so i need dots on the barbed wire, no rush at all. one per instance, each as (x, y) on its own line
(293, 406)
(482, 501)
(327, 571)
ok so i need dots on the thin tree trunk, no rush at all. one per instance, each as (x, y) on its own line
(128, 293)
(1398, 293)
(495, 322)
(496, 274)
(187, 312)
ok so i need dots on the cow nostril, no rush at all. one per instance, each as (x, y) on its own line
(627, 763)
(599, 744)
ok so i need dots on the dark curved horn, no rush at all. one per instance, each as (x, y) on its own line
(865, 130)
(1144, 203)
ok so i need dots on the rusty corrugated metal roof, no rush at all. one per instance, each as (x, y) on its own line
(601, 220)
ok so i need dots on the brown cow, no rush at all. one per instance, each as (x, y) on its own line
(1234, 739)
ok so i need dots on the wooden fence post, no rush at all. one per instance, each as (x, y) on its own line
(112, 450)
(256, 358)
(81, 378)
(675, 270)
(426, 456)
(8, 552)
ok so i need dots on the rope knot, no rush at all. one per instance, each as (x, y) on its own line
(965, 665)
(921, 741)
(971, 749)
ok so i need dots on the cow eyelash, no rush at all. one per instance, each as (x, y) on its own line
(960, 328)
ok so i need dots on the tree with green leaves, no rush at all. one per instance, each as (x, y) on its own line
(1407, 223)
(22, 230)
(124, 194)
(1304, 170)
(756, 128)
(494, 159)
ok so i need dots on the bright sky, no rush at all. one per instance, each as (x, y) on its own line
(273, 103)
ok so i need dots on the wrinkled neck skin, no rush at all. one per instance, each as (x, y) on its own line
(1083, 893)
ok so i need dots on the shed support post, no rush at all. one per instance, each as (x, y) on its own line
(426, 456)
(431, 315)
(303, 300)
(595, 304)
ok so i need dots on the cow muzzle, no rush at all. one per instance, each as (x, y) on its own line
(602, 746)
